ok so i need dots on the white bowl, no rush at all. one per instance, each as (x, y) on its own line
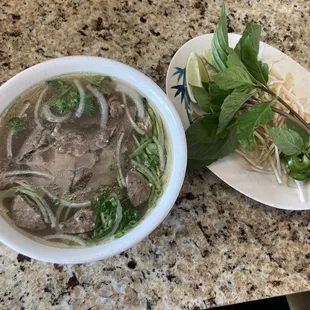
(176, 142)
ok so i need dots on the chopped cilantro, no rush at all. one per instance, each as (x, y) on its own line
(15, 123)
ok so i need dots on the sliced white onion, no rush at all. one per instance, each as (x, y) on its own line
(118, 159)
(37, 107)
(41, 203)
(23, 110)
(50, 212)
(29, 172)
(67, 203)
(51, 117)
(9, 144)
(103, 105)
(81, 91)
(160, 154)
(65, 237)
(161, 130)
(134, 95)
(132, 122)
(42, 209)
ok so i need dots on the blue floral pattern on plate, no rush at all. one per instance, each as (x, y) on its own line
(181, 90)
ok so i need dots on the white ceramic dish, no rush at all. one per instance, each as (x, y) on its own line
(261, 187)
(177, 161)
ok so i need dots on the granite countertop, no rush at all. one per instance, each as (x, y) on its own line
(216, 246)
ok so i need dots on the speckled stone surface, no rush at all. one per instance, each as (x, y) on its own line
(216, 247)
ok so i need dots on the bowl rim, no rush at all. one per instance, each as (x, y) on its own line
(15, 86)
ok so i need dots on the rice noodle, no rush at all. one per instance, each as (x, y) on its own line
(29, 172)
(37, 106)
(160, 154)
(132, 122)
(67, 203)
(134, 96)
(65, 237)
(51, 117)
(118, 159)
(103, 105)
(81, 91)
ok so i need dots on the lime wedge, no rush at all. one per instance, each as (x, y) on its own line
(207, 55)
(196, 74)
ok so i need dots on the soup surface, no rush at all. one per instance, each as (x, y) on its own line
(83, 159)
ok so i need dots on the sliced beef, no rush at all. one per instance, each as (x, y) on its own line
(70, 142)
(103, 174)
(62, 166)
(82, 221)
(38, 139)
(145, 124)
(138, 188)
(81, 178)
(26, 215)
(116, 109)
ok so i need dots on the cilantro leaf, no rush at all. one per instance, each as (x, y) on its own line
(65, 97)
(91, 106)
(97, 80)
(15, 123)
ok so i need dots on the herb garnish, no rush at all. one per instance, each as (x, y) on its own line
(232, 101)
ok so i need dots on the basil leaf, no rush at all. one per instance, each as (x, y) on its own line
(254, 117)
(194, 164)
(230, 107)
(231, 78)
(233, 60)
(254, 31)
(204, 145)
(203, 130)
(219, 43)
(249, 58)
(202, 98)
(291, 125)
(287, 140)
(219, 98)
(265, 70)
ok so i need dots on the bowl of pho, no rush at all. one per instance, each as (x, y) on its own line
(93, 157)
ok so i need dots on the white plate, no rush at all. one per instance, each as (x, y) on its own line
(261, 187)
